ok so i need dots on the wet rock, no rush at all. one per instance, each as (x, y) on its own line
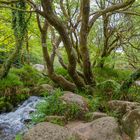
(14, 122)
(5, 132)
(48, 131)
(71, 98)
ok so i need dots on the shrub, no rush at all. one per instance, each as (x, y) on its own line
(53, 105)
(134, 94)
(94, 103)
(12, 80)
(63, 72)
(109, 86)
(28, 75)
(18, 137)
(106, 73)
(11, 92)
(108, 89)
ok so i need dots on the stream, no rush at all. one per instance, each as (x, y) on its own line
(14, 122)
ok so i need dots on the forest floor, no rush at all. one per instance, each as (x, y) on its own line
(39, 109)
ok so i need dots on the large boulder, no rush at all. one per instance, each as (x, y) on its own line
(105, 128)
(71, 98)
(131, 123)
(122, 106)
(47, 131)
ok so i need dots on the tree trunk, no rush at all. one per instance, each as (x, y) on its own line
(7, 65)
(62, 30)
(104, 54)
(85, 8)
(60, 80)
(56, 78)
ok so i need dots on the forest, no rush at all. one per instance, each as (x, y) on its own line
(69, 70)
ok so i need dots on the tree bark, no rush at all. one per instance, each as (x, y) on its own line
(7, 65)
(85, 7)
(62, 30)
(60, 80)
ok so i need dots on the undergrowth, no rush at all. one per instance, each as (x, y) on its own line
(53, 105)
(15, 88)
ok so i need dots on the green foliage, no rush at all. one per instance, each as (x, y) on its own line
(12, 80)
(28, 75)
(57, 121)
(63, 72)
(134, 94)
(109, 86)
(115, 114)
(53, 105)
(7, 102)
(94, 103)
(18, 137)
(19, 20)
(108, 90)
(106, 73)
(5, 106)
(12, 90)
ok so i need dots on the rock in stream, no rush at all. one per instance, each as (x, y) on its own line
(14, 122)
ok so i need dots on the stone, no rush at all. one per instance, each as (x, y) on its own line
(105, 128)
(39, 67)
(131, 123)
(48, 131)
(137, 83)
(95, 115)
(72, 98)
(46, 87)
(122, 106)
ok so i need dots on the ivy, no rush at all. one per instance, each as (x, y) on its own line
(19, 23)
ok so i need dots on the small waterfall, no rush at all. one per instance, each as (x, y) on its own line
(14, 122)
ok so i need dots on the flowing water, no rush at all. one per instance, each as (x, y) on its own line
(14, 122)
